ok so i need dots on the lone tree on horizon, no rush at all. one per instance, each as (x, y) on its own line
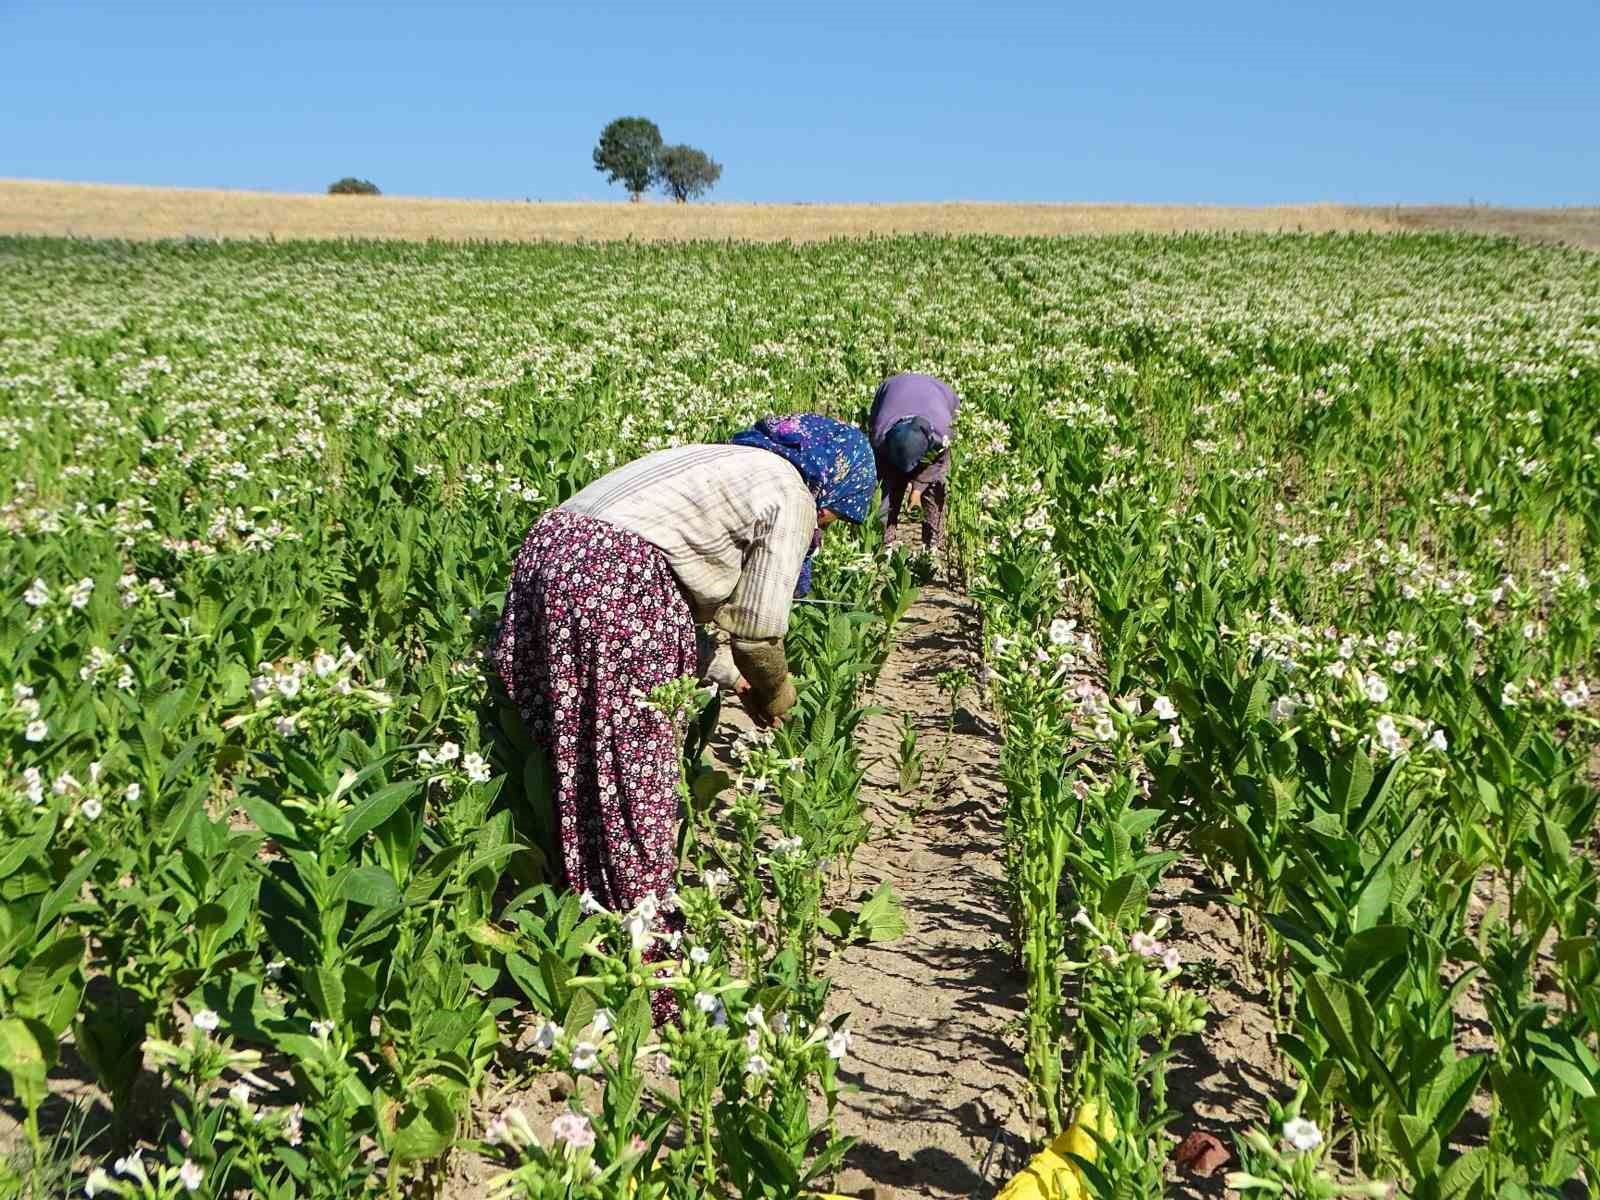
(351, 186)
(685, 172)
(629, 151)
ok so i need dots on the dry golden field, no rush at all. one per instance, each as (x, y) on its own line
(115, 211)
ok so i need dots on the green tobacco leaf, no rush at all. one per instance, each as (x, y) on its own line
(1351, 777)
(580, 1013)
(1342, 1015)
(422, 1126)
(1124, 899)
(269, 819)
(371, 886)
(325, 987)
(1418, 1143)
(1374, 946)
(66, 892)
(27, 1052)
(708, 785)
(375, 810)
(1448, 1095)
(1463, 1179)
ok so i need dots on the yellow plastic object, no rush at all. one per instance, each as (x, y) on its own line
(1050, 1174)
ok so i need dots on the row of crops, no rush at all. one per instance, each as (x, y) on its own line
(1316, 516)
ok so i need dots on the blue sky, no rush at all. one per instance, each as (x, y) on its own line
(1404, 101)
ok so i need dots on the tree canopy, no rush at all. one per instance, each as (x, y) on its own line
(628, 152)
(351, 186)
(685, 172)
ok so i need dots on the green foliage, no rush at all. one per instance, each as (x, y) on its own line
(685, 172)
(629, 153)
(351, 186)
(251, 764)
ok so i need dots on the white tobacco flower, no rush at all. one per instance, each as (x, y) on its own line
(190, 1175)
(637, 929)
(321, 1029)
(705, 1002)
(839, 1044)
(1389, 736)
(239, 1093)
(476, 768)
(588, 905)
(37, 595)
(132, 792)
(494, 1133)
(1374, 688)
(573, 1129)
(1164, 710)
(65, 782)
(1175, 738)
(36, 731)
(716, 879)
(699, 956)
(545, 1038)
(584, 1056)
(260, 687)
(1144, 945)
(1302, 1134)
(602, 1022)
(1061, 631)
(449, 752)
(324, 664)
(91, 809)
(33, 782)
(284, 726)
(99, 1181)
(1282, 710)
(757, 1066)
(288, 685)
(1170, 961)
(1438, 741)
(207, 1019)
(1103, 729)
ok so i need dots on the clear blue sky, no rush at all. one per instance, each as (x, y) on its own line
(1392, 102)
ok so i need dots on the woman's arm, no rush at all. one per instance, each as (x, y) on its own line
(757, 613)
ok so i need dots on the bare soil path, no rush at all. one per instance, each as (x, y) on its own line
(937, 1060)
(941, 1105)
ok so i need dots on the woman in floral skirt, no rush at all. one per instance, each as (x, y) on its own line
(602, 608)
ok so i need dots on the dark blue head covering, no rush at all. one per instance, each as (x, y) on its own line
(906, 443)
(833, 458)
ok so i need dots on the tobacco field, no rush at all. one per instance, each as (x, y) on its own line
(1287, 554)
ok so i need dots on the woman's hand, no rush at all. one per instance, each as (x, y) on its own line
(758, 714)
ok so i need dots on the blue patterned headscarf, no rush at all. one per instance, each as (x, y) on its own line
(833, 458)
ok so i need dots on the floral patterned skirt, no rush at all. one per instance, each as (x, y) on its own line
(594, 621)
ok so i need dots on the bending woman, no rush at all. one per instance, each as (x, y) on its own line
(604, 598)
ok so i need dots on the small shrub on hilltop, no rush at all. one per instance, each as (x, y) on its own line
(351, 186)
